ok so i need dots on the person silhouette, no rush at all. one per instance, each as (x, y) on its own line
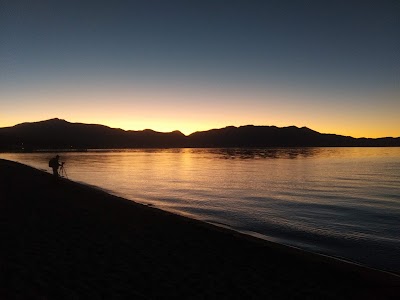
(55, 164)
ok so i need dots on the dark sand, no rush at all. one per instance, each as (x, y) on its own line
(66, 240)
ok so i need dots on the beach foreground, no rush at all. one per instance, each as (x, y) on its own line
(61, 239)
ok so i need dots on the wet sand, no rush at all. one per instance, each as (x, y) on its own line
(64, 240)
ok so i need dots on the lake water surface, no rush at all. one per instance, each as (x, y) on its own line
(342, 202)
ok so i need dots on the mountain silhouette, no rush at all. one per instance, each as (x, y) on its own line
(272, 136)
(60, 134)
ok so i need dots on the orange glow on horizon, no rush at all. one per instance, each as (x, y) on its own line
(191, 109)
(187, 127)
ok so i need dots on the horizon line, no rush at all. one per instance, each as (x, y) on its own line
(247, 125)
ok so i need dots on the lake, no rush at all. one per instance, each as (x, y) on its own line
(342, 202)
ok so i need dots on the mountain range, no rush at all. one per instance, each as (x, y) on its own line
(61, 134)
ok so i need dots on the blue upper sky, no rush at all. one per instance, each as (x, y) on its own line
(342, 51)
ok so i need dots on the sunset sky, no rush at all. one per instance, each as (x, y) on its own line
(190, 65)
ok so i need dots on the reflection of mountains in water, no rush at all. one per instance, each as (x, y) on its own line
(257, 153)
(60, 134)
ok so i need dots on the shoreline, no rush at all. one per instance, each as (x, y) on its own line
(67, 150)
(252, 234)
(66, 238)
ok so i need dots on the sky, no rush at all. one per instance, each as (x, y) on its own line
(191, 65)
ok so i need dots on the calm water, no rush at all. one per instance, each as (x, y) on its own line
(343, 202)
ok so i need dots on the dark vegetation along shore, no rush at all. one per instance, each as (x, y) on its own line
(60, 134)
(64, 240)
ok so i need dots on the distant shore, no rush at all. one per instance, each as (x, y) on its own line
(61, 239)
(61, 134)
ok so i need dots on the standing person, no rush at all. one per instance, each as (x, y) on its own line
(55, 164)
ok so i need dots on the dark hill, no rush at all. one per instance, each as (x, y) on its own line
(272, 136)
(60, 134)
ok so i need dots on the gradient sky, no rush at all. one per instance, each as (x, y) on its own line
(190, 65)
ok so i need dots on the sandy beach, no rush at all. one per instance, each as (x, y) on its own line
(65, 240)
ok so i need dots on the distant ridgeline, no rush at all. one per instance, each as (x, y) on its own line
(60, 134)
